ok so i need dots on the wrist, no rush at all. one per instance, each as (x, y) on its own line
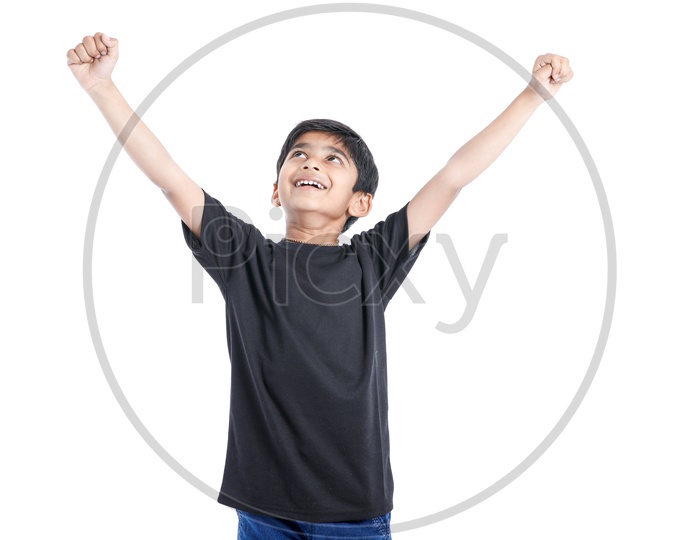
(100, 88)
(532, 96)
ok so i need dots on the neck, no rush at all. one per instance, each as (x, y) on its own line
(320, 239)
(304, 235)
(336, 243)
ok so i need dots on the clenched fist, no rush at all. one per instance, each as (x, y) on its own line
(550, 71)
(93, 60)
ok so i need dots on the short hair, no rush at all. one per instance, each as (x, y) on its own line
(367, 173)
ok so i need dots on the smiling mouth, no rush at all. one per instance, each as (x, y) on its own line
(312, 183)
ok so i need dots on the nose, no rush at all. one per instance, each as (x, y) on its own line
(311, 164)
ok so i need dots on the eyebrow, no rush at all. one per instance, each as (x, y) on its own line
(333, 149)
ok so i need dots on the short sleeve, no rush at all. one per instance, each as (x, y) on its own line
(387, 247)
(226, 242)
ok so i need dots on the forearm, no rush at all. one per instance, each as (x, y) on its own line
(138, 141)
(482, 150)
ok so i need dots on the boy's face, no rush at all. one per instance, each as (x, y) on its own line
(316, 181)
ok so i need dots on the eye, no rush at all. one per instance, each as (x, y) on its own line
(336, 158)
(297, 153)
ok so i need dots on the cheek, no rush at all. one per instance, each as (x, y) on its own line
(352, 178)
(287, 168)
(283, 173)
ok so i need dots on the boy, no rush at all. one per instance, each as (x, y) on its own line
(308, 450)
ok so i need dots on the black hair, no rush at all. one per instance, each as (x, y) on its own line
(367, 174)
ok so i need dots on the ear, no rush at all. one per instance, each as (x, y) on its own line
(275, 199)
(360, 205)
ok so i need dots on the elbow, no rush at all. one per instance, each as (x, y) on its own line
(455, 176)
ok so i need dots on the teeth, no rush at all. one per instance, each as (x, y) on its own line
(309, 183)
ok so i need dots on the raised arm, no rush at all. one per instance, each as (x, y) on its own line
(430, 203)
(92, 63)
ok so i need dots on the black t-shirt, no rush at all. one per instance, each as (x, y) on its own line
(308, 434)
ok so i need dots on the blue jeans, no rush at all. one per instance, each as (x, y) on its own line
(259, 527)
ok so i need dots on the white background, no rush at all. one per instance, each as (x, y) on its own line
(466, 407)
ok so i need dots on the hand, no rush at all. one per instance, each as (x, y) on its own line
(93, 60)
(549, 73)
